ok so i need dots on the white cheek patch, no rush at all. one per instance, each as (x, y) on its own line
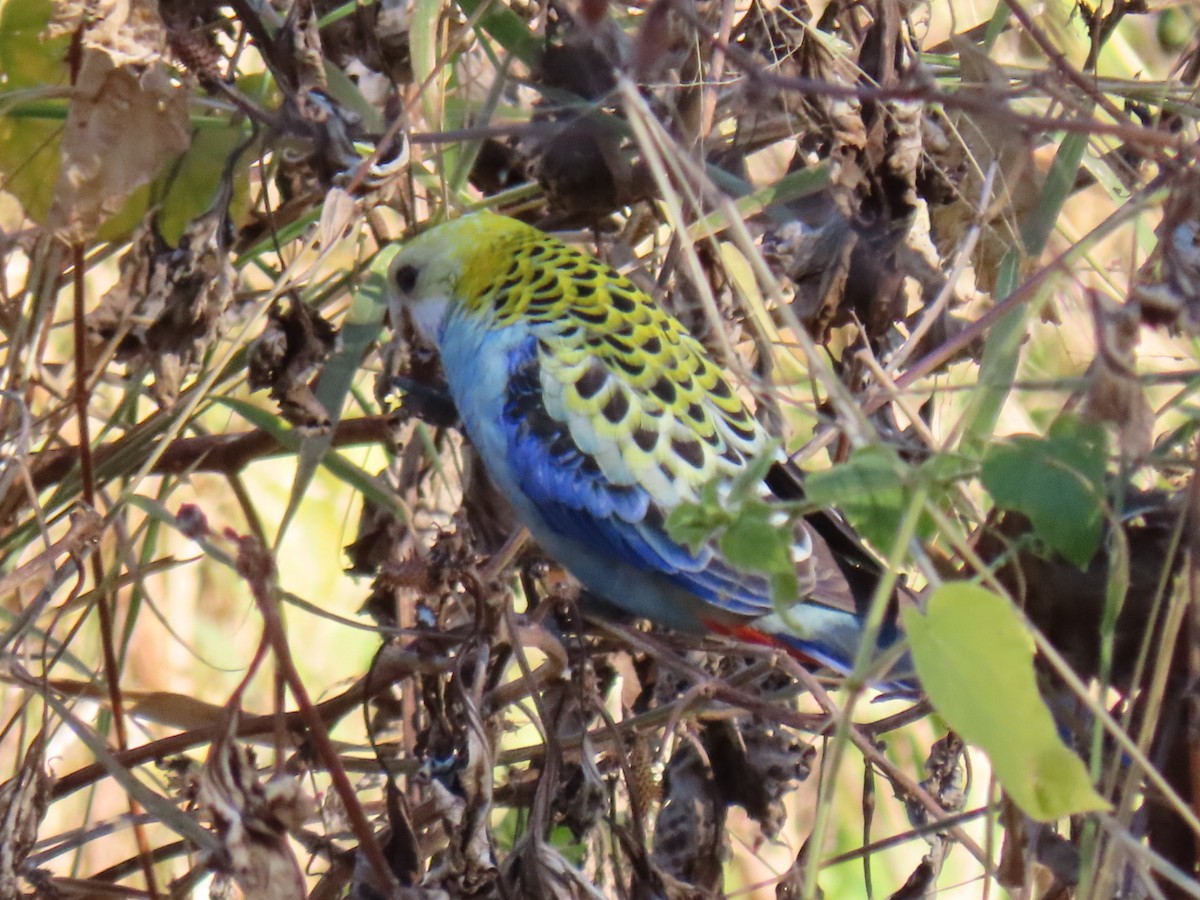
(427, 314)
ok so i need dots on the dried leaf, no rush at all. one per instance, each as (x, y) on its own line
(983, 140)
(303, 32)
(690, 839)
(817, 262)
(758, 764)
(253, 820)
(778, 36)
(23, 800)
(460, 747)
(288, 356)
(167, 307)
(403, 853)
(377, 539)
(945, 780)
(580, 798)
(1115, 396)
(488, 512)
(338, 213)
(1069, 606)
(126, 119)
(849, 260)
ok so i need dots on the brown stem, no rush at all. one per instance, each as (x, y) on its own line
(396, 666)
(112, 666)
(226, 453)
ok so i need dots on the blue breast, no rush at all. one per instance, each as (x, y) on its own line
(609, 536)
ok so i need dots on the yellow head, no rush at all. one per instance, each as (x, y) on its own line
(456, 262)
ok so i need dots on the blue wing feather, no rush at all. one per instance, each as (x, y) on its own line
(623, 522)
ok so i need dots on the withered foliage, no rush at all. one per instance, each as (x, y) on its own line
(167, 308)
(288, 356)
(197, 191)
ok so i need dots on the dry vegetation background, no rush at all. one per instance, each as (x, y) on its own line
(265, 626)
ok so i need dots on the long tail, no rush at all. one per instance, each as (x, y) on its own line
(826, 626)
(833, 645)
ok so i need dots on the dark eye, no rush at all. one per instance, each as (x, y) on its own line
(405, 278)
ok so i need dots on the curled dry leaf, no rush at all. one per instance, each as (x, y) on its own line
(945, 780)
(1012, 870)
(431, 577)
(857, 257)
(23, 800)
(580, 794)
(125, 122)
(547, 874)
(651, 53)
(167, 307)
(287, 357)
(690, 838)
(301, 35)
(757, 763)
(847, 155)
(459, 746)
(468, 863)
(1033, 853)
(195, 46)
(922, 881)
(877, 146)
(752, 763)
(338, 213)
(487, 512)
(1115, 395)
(584, 800)
(816, 260)
(478, 785)
(779, 38)
(378, 539)
(252, 819)
(402, 849)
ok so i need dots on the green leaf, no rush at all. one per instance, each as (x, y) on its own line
(872, 489)
(27, 56)
(192, 185)
(30, 149)
(753, 543)
(692, 524)
(1056, 481)
(1060, 182)
(720, 503)
(506, 28)
(747, 483)
(746, 529)
(975, 661)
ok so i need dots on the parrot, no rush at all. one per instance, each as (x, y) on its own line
(596, 414)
